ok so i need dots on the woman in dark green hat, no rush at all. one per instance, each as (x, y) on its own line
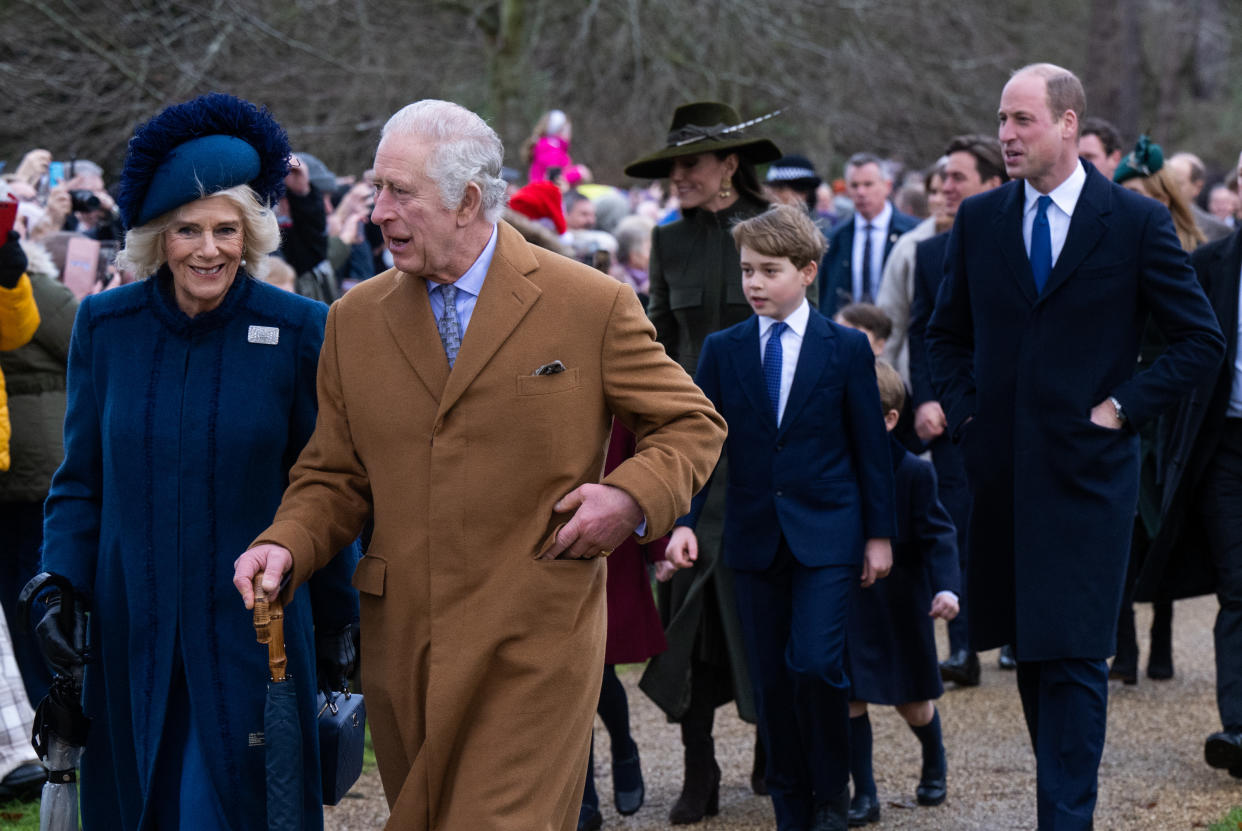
(709, 158)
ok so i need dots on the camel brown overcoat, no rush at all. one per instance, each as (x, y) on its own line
(481, 664)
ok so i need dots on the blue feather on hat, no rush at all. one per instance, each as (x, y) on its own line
(205, 145)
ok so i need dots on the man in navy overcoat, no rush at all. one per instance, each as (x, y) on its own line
(1049, 282)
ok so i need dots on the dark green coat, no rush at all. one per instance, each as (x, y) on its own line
(696, 289)
(35, 377)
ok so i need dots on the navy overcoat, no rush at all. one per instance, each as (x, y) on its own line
(1055, 494)
(891, 640)
(179, 436)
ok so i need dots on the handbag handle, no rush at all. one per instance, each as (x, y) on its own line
(269, 626)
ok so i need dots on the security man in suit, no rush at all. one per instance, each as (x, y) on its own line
(858, 248)
(1049, 281)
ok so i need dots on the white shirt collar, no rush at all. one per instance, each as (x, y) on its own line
(880, 223)
(1064, 196)
(796, 321)
(472, 281)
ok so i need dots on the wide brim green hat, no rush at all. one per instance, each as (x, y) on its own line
(705, 127)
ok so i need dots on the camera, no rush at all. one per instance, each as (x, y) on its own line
(84, 200)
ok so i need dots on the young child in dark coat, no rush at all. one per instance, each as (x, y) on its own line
(891, 646)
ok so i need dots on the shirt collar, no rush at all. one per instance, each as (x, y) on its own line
(796, 321)
(880, 222)
(472, 281)
(1064, 196)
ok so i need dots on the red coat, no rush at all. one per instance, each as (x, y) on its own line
(634, 630)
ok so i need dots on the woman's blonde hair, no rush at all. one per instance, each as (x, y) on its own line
(1162, 187)
(144, 250)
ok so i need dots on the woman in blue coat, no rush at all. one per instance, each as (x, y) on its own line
(190, 395)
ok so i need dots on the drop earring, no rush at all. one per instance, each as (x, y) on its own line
(726, 189)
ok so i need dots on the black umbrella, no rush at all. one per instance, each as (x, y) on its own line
(60, 726)
(282, 735)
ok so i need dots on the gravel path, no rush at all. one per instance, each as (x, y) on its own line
(1152, 777)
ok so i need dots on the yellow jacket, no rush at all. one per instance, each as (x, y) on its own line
(19, 318)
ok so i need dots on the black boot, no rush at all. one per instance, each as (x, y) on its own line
(1160, 659)
(1006, 660)
(1125, 663)
(700, 794)
(700, 791)
(759, 770)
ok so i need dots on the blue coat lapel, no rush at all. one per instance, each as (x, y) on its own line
(745, 350)
(811, 360)
(1008, 222)
(1086, 227)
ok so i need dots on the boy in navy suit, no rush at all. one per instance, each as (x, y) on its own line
(892, 643)
(809, 505)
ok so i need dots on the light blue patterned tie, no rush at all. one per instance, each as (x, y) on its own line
(450, 330)
(773, 357)
(1041, 245)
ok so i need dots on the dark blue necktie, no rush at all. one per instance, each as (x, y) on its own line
(773, 357)
(1041, 245)
(868, 278)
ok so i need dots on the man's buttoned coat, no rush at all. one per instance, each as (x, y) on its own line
(482, 664)
(1018, 373)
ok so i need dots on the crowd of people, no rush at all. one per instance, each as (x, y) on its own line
(991, 390)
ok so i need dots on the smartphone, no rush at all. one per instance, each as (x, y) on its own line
(55, 174)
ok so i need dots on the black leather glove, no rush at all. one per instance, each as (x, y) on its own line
(62, 638)
(12, 261)
(336, 658)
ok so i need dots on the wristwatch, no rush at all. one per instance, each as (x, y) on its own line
(1117, 410)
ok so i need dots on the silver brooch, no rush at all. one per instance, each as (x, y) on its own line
(268, 335)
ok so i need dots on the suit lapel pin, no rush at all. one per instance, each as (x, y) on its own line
(266, 335)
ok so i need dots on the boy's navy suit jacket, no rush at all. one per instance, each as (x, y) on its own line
(824, 478)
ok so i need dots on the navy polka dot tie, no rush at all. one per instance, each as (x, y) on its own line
(773, 357)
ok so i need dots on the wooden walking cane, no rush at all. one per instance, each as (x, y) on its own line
(269, 626)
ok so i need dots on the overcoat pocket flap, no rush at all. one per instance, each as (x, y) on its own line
(684, 297)
(369, 575)
(548, 384)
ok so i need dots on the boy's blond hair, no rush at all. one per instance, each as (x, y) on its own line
(782, 231)
(892, 388)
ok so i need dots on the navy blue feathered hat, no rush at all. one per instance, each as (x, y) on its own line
(203, 146)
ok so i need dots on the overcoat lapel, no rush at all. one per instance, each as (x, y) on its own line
(1008, 224)
(745, 348)
(1224, 294)
(1087, 226)
(811, 361)
(504, 300)
(407, 311)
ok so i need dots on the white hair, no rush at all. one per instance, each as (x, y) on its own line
(466, 150)
(144, 250)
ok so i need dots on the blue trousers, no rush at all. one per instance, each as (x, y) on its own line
(1066, 707)
(793, 625)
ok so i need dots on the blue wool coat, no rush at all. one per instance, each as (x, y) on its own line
(179, 436)
(891, 641)
(1018, 372)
